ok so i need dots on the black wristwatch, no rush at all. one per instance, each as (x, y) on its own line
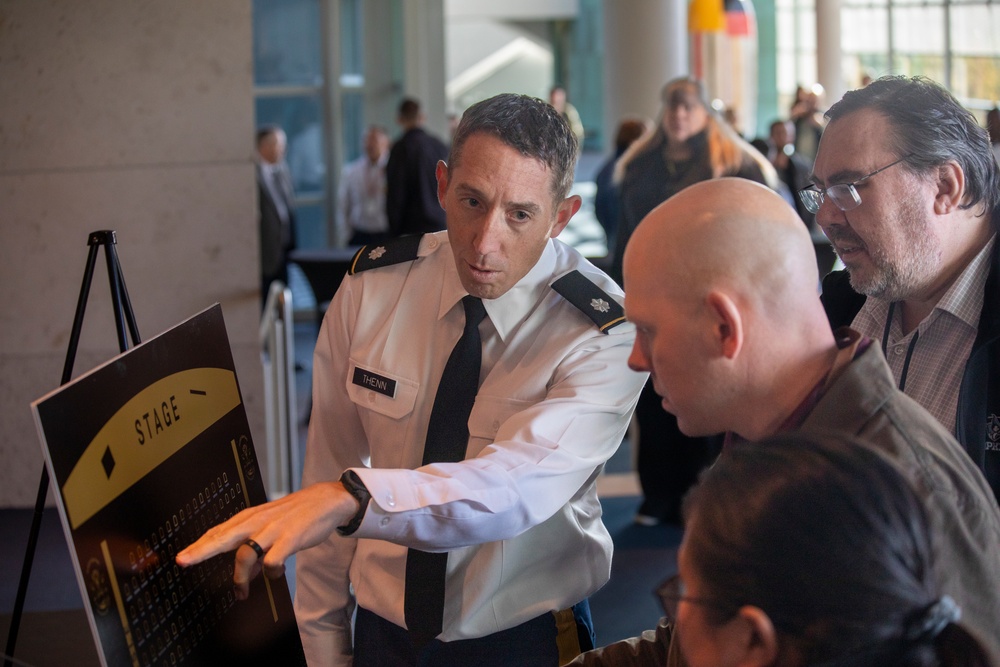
(356, 488)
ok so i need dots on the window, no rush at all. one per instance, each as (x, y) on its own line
(954, 42)
(290, 90)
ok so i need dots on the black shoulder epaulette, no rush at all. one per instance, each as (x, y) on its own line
(591, 300)
(396, 251)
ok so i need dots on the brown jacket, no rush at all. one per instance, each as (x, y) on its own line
(862, 400)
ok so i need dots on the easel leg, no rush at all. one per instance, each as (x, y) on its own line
(123, 313)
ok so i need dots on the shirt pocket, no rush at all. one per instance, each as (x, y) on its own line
(488, 415)
(380, 391)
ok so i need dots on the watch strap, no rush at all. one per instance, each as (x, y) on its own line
(353, 484)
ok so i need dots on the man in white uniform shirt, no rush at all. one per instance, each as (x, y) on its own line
(519, 517)
(362, 192)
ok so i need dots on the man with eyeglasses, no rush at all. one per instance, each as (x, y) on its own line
(720, 284)
(905, 187)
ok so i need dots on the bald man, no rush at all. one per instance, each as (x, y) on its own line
(720, 283)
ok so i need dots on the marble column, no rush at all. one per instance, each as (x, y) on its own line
(828, 53)
(646, 45)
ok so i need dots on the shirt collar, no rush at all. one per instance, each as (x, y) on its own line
(850, 344)
(964, 299)
(507, 311)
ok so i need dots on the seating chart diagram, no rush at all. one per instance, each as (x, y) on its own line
(147, 452)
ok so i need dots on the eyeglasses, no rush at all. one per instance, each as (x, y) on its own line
(844, 195)
(671, 592)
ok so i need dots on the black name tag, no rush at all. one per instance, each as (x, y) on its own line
(375, 382)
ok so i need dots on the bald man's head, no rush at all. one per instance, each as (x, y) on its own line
(717, 279)
(727, 231)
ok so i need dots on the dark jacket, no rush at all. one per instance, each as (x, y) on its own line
(606, 198)
(977, 422)
(411, 202)
(862, 401)
(796, 175)
(277, 237)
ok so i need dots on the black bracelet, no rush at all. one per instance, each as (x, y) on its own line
(356, 488)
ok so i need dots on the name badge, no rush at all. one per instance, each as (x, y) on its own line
(375, 382)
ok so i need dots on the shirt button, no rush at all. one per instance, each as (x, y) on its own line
(496, 424)
(390, 500)
(371, 397)
(384, 522)
(898, 351)
(432, 244)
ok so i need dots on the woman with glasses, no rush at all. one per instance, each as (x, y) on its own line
(810, 551)
(689, 144)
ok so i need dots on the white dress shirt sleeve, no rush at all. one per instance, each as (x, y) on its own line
(533, 458)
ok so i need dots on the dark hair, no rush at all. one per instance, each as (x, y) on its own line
(409, 109)
(830, 541)
(265, 131)
(629, 130)
(528, 125)
(777, 123)
(993, 124)
(930, 127)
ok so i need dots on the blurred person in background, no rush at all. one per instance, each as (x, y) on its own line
(276, 220)
(557, 98)
(606, 198)
(362, 191)
(411, 201)
(793, 169)
(808, 121)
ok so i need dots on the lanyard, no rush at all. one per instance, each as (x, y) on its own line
(909, 349)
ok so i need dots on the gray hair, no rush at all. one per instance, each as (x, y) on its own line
(528, 125)
(930, 127)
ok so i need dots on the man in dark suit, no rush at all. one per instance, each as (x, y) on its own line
(411, 188)
(277, 214)
(793, 169)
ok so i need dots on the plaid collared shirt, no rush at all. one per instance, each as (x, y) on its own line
(944, 343)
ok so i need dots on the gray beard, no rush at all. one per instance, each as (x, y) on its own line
(898, 280)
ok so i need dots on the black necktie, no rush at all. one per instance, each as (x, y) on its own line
(447, 439)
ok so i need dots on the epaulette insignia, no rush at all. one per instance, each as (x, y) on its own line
(396, 251)
(591, 300)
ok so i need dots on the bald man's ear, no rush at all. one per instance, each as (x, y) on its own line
(727, 324)
(950, 188)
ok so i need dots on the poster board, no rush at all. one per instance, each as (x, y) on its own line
(146, 452)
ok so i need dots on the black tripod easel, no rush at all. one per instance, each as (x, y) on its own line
(123, 315)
